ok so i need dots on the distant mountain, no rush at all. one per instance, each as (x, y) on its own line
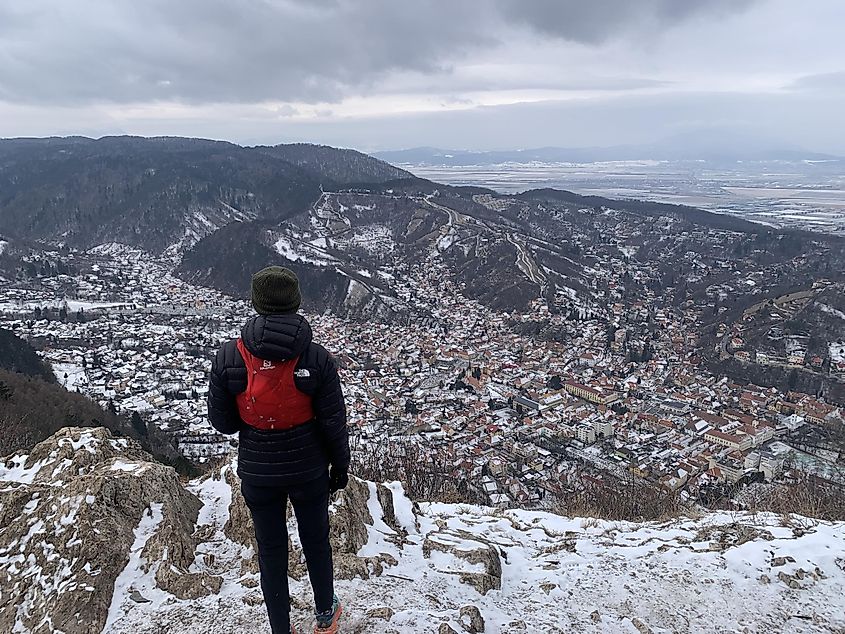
(690, 147)
(335, 166)
(355, 248)
(162, 192)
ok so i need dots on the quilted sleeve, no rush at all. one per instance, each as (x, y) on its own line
(330, 412)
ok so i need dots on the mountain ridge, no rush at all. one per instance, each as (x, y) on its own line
(164, 191)
(431, 156)
(369, 251)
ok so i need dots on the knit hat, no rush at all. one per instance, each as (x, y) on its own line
(275, 290)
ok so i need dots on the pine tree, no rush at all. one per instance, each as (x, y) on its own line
(138, 424)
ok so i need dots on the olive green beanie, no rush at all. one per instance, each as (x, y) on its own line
(275, 290)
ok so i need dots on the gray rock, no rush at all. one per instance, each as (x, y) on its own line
(385, 613)
(88, 493)
(472, 549)
(253, 599)
(789, 580)
(642, 628)
(137, 597)
(471, 619)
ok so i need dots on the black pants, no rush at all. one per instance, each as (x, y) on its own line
(268, 506)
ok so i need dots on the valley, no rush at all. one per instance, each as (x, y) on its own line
(521, 348)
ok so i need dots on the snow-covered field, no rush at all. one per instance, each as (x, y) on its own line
(308, 253)
(70, 375)
(801, 194)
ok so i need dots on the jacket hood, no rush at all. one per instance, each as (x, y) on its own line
(276, 337)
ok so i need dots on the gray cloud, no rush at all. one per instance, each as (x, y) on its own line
(733, 121)
(242, 51)
(534, 82)
(623, 71)
(821, 83)
(596, 20)
(221, 50)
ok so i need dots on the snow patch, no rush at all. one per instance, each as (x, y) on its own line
(126, 467)
(70, 376)
(301, 252)
(15, 470)
(830, 310)
(133, 576)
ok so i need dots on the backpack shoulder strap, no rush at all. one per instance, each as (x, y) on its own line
(249, 362)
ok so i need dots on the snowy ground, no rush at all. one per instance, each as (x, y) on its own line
(722, 573)
(70, 375)
(71, 305)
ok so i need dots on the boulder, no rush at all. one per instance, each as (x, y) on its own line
(70, 512)
(484, 571)
(472, 620)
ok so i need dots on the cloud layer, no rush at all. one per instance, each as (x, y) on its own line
(381, 74)
(598, 20)
(199, 51)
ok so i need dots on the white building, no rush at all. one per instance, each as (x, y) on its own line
(603, 428)
(586, 434)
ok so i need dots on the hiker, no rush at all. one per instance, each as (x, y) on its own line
(281, 393)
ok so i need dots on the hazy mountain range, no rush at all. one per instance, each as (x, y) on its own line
(712, 146)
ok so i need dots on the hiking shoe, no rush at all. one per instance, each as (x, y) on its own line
(327, 622)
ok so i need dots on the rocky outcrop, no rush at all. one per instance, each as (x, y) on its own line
(349, 532)
(95, 537)
(472, 620)
(69, 514)
(484, 570)
(350, 518)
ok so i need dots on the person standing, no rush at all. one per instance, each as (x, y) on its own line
(281, 393)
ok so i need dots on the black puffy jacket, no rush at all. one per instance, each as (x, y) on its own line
(282, 457)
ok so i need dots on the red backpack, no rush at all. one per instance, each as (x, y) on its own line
(271, 399)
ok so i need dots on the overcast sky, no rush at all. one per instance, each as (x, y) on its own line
(387, 74)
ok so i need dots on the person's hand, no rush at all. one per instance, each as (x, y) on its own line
(338, 479)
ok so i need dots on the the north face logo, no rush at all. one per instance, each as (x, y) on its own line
(302, 373)
(267, 365)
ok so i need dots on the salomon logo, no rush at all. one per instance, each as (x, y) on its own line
(267, 365)
(302, 373)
